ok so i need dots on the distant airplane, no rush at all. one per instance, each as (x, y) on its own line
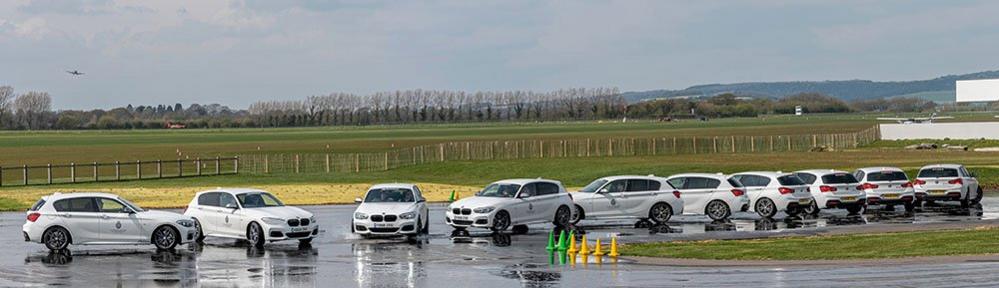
(74, 72)
(915, 120)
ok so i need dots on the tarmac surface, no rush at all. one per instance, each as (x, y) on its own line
(481, 259)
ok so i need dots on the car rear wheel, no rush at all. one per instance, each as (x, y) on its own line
(56, 238)
(978, 196)
(165, 237)
(255, 235)
(854, 209)
(812, 209)
(909, 207)
(766, 208)
(562, 216)
(201, 232)
(426, 226)
(660, 213)
(501, 221)
(576, 217)
(717, 210)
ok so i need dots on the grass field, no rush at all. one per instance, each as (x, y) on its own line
(864, 246)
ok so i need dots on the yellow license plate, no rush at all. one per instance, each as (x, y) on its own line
(804, 201)
(848, 198)
(889, 196)
(938, 192)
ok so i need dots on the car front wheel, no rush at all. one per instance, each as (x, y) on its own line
(165, 238)
(660, 213)
(56, 238)
(562, 216)
(201, 232)
(576, 217)
(766, 208)
(255, 235)
(718, 210)
(501, 221)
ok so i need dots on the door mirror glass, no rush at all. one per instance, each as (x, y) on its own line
(526, 194)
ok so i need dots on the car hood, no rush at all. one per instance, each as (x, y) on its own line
(162, 215)
(284, 212)
(386, 208)
(475, 202)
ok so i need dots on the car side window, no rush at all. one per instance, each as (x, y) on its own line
(654, 185)
(638, 185)
(82, 204)
(807, 178)
(617, 186)
(545, 188)
(678, 183)
(701, 183)
(226, 200)
(528, 190)
(753, 181)
(419, 194)
(110, 206)
(209, 199)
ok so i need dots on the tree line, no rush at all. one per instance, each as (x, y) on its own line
(731, 105)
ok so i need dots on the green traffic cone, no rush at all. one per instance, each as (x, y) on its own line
(562, 242)
(551, 241)
(451, 199)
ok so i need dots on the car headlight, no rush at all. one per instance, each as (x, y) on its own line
(408, 215)
(272, 220)
(185, 223)
(312, 219)
(483, 209)
(360, 216)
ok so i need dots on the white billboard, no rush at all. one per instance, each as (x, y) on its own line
(978, 90)
(952, 130)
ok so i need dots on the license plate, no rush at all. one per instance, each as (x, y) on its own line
(848, 198)
(380, 225)
(938, 192)
(460, 217)
(298, 229)
(889, 196)
(804, 201)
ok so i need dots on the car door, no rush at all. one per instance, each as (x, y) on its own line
(697, 192)
(639, 192)
(754, 186)
(605, 204)
(208, 213)
(118, 223)
(546, 203)
(522, 209)
(232, 223)
(80, 217)
(421, 205)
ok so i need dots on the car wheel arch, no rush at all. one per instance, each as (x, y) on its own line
(69, 234)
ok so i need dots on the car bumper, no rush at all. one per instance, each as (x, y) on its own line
(30, 234)
(404, 227)
(284, 232)
(878, 199)
(473, 220)
(792, 202)
(940, 195)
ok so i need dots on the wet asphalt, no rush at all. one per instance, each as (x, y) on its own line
(481, 259)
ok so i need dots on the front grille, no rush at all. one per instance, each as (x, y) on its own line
(298, 234)
(293, 222)
(390, 218)
(466, 211)
(462, 222)
(384, 229)
(304, 222)
(376, 218)
(456, 211)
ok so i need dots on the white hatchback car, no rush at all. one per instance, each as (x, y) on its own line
(888, 186)
(772, 192)
(250, 214)
(513, 202)
(391, 210)
(642, 197)
(713, 195)
(947, 182)
(100, 218)
(833, 189)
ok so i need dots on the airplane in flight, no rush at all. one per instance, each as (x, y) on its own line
(915, 120)
(74, 72)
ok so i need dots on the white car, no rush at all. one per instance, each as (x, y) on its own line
(947, 182)
(888, 186)
(391, 209)
(713, 195)
(833, 189)
(250, 214)
(642, 197)
(513, 202)
(772, 192)
(100, 218)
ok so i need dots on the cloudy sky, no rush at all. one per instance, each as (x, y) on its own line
(238, 52)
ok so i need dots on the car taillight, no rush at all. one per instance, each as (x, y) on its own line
(957, 181)
(920, 182)
(907, 185)
(738, 192)
(677, 194)
(825, 188)
(785, 190)
(33, 216)
(867, 186)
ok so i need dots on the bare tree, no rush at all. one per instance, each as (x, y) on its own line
(6, 100)
(32, 108)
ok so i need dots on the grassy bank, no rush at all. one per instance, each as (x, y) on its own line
(864, 246)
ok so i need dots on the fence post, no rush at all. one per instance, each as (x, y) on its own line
(733, 143)
(789, 144)
(296, 163)
(218, 165)
(159, 168)
(752, 143)
(442, 152)
(72, 172)
(1, 176)
(197, 161)
(386, 159)
(49, 168)
(815, 139)
(714, 143)
(117, 171)
(235, 165)
(180, 167)
(587, 147)
(138, 169)
(25, 174)
(693, 141)
(328, 161)
(266, 166)
(357, 160)
(96, 179)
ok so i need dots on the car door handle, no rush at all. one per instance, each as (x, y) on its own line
(105, 217)
(67, 215)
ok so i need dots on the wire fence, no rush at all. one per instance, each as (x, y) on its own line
(526, 149)
(116, 171)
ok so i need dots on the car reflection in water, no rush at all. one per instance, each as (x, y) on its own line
(276, 265)
(531, 275)
(389, 264)
(495, 239)
(169, 267)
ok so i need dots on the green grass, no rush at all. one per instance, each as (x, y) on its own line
(864, 246)
(7, 204)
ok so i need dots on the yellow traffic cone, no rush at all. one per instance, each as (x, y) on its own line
(572, 243)
(613, 252)
(585, 250)
(598, 251)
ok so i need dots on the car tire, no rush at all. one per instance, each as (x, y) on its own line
(501, 221)
(578, 216)
(966, 201)
(660, 213)
(519, 229)
(426, 226)
(854, 209)
(201, 232)
(165, 237)
(717, 210)
(978, 196)
(255, 235)
(766, 208)
(563, 216)
(812, 209)
(56, 238)
(909, 207)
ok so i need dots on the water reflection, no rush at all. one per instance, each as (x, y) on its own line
(531, 275)
(387, 264)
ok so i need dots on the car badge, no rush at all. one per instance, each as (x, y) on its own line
(613, 201)
(117, 225)
(226, 218)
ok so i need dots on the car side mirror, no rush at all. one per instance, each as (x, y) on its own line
(525, 195)
(605, 190)
(357, 201)
(421, 200)
(231, 206)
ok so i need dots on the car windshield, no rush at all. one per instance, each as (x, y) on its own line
(257, 200)
(134, 207)
(938, 173)
(790, 180)
(839, 178)
(593, 186)
(887, 176)
(389, 195)
(499, 190)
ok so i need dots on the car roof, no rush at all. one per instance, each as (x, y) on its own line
(953, 166)
(392, 185)
(707, 175)
(59, 195)
(771, 174)
(233, 190)
(821, 171)
(879, 169)
(522, 181)
(619, 177)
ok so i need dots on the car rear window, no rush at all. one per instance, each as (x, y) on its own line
(38, 205)
(790, 180)
(838, 178)
(734, 183)
(937, 173)
(887, 176)
(808, 178)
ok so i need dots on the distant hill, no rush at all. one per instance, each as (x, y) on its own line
(939, 89)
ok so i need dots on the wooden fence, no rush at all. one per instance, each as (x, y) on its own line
(116, 171)
(524, 149)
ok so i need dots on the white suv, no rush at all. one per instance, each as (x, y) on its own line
(100, 218)
(513, 202)
(886, 185)
(710, 194)
(643, 197)
(947, 182)
(250, 214)
(834, 189)
(391, 210)
(772, 192)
